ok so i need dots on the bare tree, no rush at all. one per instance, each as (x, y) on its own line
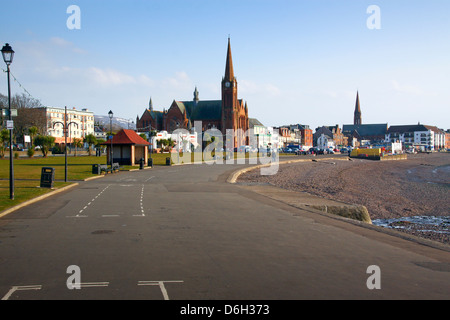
(29, 114)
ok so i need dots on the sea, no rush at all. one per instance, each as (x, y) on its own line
(438, 224)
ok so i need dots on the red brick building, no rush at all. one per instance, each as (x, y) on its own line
(227, 113)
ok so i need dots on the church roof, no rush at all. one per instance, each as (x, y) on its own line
(366, 130)
(201, 110)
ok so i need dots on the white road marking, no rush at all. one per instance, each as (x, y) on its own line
(20, 288)
(91, 284)
(141, 202)
(85, 207)
(160, 284)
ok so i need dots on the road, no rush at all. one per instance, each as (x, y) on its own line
(184, 233)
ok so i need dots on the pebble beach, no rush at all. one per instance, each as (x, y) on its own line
(411, 196)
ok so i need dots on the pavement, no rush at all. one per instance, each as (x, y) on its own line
(185, 233)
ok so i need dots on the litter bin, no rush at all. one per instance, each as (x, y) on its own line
(168, 161)
(141, 163)
(47, 177)
(150, 162)
(96, 169)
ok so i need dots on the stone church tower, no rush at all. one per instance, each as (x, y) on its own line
(357, 120)
(234, 111)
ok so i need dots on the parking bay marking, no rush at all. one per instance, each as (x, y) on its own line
(20, 288)
(160, 284)
(89, 203)
(80, 285)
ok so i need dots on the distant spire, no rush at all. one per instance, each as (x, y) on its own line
(150, 104)
(357, 118)
(229, 73)
(196, 99)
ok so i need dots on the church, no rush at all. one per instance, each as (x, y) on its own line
(227, 113)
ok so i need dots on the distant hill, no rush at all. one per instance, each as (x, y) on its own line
(120, 122)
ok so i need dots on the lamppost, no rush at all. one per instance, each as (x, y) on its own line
(111, 114)
(65, 129)
(8, 55)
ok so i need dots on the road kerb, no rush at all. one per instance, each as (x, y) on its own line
(31, 201)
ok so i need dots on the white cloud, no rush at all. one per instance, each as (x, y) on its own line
(180, 81)
(250, 87)
(409, 89)
(62, 43)
(110, 77)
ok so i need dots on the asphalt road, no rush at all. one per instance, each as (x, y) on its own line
(184, 233)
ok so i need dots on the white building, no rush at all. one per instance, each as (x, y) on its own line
(261, 134)
(325, 142)
(79, 123)
(420, 136)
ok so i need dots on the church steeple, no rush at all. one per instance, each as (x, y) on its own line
(357, 117)
(229, 72)
(150, 104)
(196, 98)
(229, 93)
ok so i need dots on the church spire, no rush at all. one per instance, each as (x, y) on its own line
(150, 104)
(357, 118)
(196, 98)
(229, 73)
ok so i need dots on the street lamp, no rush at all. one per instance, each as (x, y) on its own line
(65, 129)
(8, 55)
(111, 114)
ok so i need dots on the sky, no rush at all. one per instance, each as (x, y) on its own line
(299, 61)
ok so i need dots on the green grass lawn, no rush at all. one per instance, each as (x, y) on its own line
(23, 190)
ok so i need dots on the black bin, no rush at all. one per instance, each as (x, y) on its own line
(141, 163)
(96, 169)
(150, 162)
(47, 177)
(168, 161)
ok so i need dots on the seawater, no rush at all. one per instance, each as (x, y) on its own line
(443, 222)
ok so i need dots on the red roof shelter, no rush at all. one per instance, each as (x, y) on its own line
(128, 148)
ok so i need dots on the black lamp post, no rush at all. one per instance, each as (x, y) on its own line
(65, 130)
(111, 114)
(8, 55)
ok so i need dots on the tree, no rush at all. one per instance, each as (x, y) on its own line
(77, 143)
(167, 144)
(99, 145)
(143, 136)
(91, 140)
(45, 143)
(29, 113)
(4, 138)
(32, 131)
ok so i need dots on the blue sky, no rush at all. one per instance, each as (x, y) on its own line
(295, 61)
